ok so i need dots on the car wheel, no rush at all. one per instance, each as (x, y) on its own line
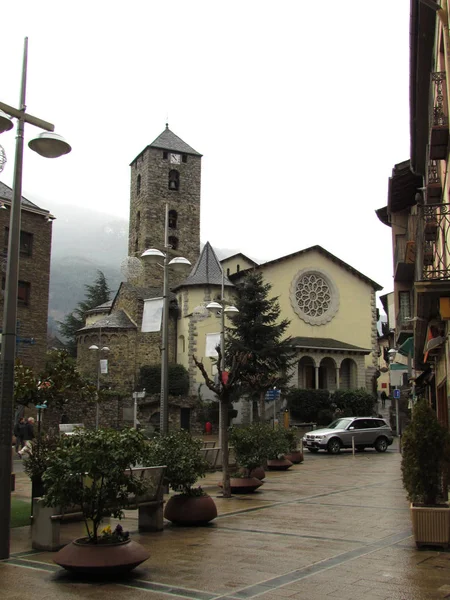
(313, 450)
(334, 446)
(381, 444)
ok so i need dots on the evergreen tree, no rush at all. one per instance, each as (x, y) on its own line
(96, 294)
(258, 334)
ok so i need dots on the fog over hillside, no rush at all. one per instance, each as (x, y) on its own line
(85, 241)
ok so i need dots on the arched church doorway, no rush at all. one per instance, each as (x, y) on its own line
(327, 374)
(348, 374)
(306, 373)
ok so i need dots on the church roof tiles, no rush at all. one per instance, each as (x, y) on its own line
(207, 270)
(167, 140)
(311, 343)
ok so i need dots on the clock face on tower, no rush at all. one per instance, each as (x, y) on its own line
(175, 159)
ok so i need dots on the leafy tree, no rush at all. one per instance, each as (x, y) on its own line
(258, 333)
(178, 379)
(96, 294)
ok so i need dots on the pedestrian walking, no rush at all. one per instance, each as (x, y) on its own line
(29, 430)
(383, 397)
(19, 433)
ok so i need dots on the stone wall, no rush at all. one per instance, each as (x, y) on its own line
(34, 269)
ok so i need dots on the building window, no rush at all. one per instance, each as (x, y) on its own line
(314, 297)
(23, 292)
(173, 242)
(184, 158)
(174, 180)
(138, 185)
(404, 300)
(173, 216)
(228, 272)
(238, 268)
(165, 154)
(26, 242)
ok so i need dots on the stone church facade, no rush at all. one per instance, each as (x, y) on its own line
(330, 305)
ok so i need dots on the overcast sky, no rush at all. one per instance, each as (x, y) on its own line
(299, 107)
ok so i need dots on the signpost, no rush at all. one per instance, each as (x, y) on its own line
(136, 395)
(273, 395)
(397, 411)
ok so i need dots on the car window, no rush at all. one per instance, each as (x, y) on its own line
(358, 424)
(371, 423)
(381, 423)
(339, 424)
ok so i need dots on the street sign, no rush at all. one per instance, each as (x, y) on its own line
(138, 394)
(272, 395)
(396, 394)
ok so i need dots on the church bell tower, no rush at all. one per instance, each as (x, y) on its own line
(168, 171)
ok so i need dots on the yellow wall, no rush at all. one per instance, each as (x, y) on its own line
(353, 321)
(233, 262)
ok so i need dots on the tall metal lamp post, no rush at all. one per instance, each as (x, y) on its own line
(179, 264)
(49, 145)
(99, 352)
(222, 308)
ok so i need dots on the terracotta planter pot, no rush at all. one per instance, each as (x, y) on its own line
(295, 456)
(279, 464)
(101, 559)
(431, 525)
(243, 485)
(190, 510)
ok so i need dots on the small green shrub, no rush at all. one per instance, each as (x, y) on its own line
(150, 379)
(353, 403)
(279, 443)
(425, 455)
(305, 405)
(185, 464)
(251, 445)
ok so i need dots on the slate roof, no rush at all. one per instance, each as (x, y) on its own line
(325, 344)
(6, 194)
(207, 270)
(167, 140)
(116, 320)
(100, 307)
(250, 260)
(143, 293)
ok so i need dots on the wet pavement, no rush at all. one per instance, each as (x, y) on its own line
(332, 527)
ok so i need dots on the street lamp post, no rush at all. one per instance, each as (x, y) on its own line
(49, 145)
(99, 350)
(223, 308)
(179, 263)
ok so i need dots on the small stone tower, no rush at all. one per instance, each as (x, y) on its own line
(168, 171)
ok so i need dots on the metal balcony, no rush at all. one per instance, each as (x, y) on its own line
(433, 247)
(439, 120)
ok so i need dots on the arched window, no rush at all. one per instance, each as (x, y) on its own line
(138, 185)
(173, 216)
(173, 242)
(174, 180)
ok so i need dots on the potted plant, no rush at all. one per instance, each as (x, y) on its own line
(92, 470)
(180, 452)
(35, 457)
(278, 447)
(425, 462)
(250, 446)
(294, 455)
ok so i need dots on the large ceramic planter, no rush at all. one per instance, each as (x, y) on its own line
(243, 485)
(101, 559)
(279, 464)
(431, 525)
(190, 510)
(295, 456)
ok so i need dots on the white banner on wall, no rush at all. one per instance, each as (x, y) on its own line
(104, 366)
(151, 319)
(212, 341)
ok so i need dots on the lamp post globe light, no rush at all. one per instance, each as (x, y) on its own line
(178, 264)
(49, 145)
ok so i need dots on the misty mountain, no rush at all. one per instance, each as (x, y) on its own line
(85, 241)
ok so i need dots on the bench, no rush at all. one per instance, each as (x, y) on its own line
(46, 520)
(211, 444)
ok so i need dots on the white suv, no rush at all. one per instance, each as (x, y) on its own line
(365, 431)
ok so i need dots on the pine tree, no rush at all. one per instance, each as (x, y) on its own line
(258, 333)
(96, 294)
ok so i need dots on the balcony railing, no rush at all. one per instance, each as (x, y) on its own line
(439, 119)
(433, 184)
(433, 246)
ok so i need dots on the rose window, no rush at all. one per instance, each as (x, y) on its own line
(314, 297)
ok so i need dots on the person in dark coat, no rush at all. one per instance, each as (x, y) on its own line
(383, 399)
(29, 429)
(19, 432)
